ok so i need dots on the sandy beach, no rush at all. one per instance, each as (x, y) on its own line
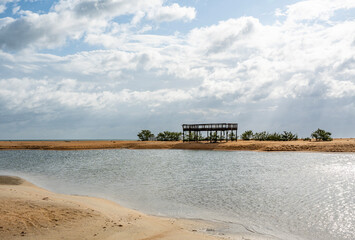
(337, 145)
(29, 212)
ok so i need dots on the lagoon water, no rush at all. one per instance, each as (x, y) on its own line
(305, 196)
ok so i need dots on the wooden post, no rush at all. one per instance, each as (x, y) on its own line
(212, 130)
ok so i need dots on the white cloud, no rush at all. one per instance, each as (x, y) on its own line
(2, 8)
(7, 1)
(279, 13)
(316, 9)
(72, 19)
(240, 58)
(15, 9)
(172, 13)
(3, 4)
(223, 36)
(227, 66)
(47, 94)
(340, 89)
(40, 31)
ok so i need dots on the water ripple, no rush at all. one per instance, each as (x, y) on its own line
(306, 196)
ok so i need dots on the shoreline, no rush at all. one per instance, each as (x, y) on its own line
(337, 145)
(30, 212)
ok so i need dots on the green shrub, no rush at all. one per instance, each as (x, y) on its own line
(192, 137)
(288, 136)
(247, 135)
(169, 136)
(321, 134)
(232, 136)
(221, 138)
(265, 136)
(213, 137)
(145, 135)
(273, 137)
(261, 136)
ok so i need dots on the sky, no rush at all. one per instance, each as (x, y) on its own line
(106, 69)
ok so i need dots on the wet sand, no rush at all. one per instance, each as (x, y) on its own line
(29, 212)
(337, 145)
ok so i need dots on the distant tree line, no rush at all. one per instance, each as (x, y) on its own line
(318, 135)
(147, 135)
(169, 136)
(266, 136)
(212, 136)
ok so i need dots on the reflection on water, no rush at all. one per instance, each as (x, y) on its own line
(289, 195)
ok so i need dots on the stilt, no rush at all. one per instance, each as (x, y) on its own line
(213, 130)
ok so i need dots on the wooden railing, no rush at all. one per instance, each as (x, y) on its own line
(210, 127)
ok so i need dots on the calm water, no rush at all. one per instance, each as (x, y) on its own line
(288, 195)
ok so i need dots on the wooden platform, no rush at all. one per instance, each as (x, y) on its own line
(214, 132)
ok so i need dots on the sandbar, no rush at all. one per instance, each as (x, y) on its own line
(337, 145)
(30, 212)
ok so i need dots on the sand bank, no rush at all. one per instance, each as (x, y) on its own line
(338, 145)
(29, 212)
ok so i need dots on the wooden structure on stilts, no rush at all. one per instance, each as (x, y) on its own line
(214, 132)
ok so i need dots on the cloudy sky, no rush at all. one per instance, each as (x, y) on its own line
(105, 69)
